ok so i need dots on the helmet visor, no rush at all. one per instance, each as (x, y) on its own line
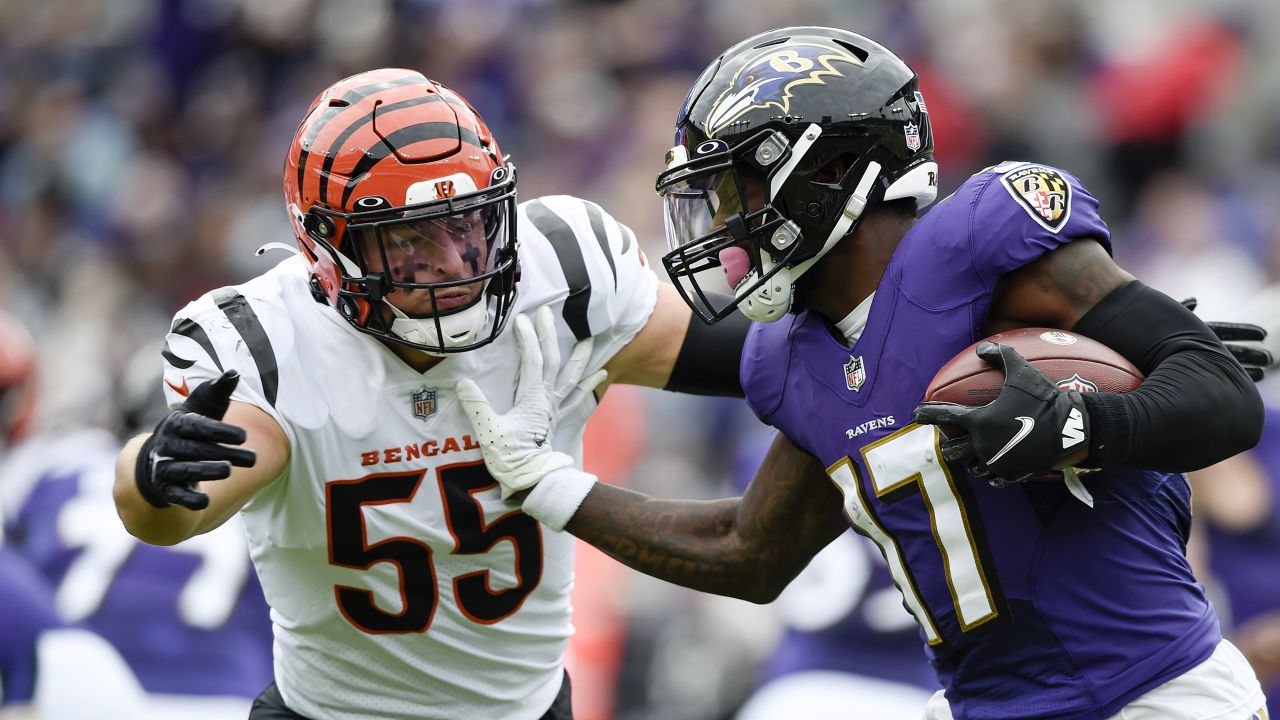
(699, 205)
(716, 220)
(436, 262)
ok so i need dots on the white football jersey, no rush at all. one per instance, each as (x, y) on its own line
(401, 585)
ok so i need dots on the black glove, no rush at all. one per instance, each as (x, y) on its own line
(1255, 359)
(1031, 428)
(184, 448)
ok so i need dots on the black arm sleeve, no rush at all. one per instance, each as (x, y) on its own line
(1197, 405)
(710, 357)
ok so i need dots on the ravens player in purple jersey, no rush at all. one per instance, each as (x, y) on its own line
(48, 668)
(190, 620)
(803, 157)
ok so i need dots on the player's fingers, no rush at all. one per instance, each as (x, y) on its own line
(1255, 373)
(580, 392)
(593, 381)
(545, 325)
(530, 355)
(212, 398)
(186, 497)
(959, 450)
(1001, 356)
(472, 397)
(185, 472)
(939, 413)
(1228, 332)
(202, 427)
(1189, 303)
(1250, 354)
(184, 449)
(571, 376)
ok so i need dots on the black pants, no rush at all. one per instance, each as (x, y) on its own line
(270, 706)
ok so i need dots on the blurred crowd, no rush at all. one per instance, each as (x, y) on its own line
(142, 141)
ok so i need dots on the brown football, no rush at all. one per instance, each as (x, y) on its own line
(1071, 360)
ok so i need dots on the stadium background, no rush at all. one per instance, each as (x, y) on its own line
(141, 145)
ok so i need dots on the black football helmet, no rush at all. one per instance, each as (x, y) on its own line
(749, 188)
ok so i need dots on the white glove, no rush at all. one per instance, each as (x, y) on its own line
(515, 445)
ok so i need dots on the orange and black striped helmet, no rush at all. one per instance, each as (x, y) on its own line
(17, 379)
(404, 206)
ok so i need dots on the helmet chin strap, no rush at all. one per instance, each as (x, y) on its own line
(455, 330)
(773, 299)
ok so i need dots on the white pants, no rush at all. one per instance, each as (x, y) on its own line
(827, 695)
(1223, 687)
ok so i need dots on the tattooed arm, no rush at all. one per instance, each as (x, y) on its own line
(1057, 289)
(748, 547)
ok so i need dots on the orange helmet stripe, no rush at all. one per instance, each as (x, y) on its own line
(331, 110)
(422, 132)
(364, 121)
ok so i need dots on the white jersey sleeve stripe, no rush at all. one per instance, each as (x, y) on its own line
(596, 216)
(192, 329)
(569, 253)
(246, 322)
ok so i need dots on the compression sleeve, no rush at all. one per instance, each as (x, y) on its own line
(1197, 405)
(710, 357)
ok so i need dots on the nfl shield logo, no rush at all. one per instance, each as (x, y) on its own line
(855, 373)
(913, 136)
(1077, 383)
(424, 403)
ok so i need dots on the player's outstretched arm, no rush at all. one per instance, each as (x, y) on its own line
(749, 547)
(199, 466)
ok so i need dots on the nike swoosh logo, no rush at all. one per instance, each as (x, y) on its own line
(1027, 425)
(180, 389)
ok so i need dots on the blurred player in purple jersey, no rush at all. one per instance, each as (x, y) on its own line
(1238, 502)
(50, 670)
(190, 619)
(803, 157)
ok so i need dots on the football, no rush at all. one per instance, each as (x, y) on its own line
(1073, 361)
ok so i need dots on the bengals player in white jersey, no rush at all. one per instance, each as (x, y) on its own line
(402, 584)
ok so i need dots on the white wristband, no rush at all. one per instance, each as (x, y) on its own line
(557, 497)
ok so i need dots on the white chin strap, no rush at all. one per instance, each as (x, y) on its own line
(773, 299)
(456, 330)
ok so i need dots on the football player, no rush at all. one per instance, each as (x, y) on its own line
(49, 668)
(402, 582)
(802, 159)
(189, 620)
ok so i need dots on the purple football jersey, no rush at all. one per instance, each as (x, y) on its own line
(1031, 604)
(26, 604)
(842, 613)
(1246, 563)
(189, 619)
